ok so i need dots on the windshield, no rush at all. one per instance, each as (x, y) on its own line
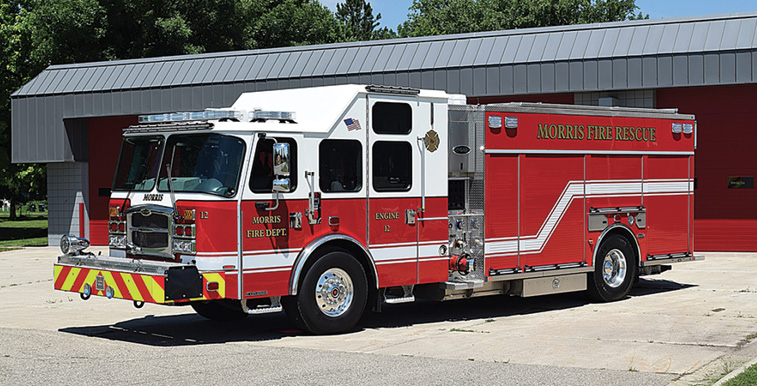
(203, 163)
(138, 163)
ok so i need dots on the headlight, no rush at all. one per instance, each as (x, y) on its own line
(72, 245)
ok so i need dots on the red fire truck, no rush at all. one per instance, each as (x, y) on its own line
(324, 202)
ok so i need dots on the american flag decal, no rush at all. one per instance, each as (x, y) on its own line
(352, 124)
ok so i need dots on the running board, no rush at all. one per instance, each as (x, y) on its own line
(275, 306)
(407, 296)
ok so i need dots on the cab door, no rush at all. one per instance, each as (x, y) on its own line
(394, 190)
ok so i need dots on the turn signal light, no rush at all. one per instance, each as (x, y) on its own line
(213, 286)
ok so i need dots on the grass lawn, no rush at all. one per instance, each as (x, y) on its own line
(747, 378)
(30, 230)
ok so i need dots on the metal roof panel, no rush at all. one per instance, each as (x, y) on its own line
(323, 63)
(234, 69)
(434, 50)
(278, 66)
(730, 35)
(699, 37)
(266, 67)
(566, 45)
(92, 78)
(747, 31)
(537, 48)
(336, 58)
(623, 42)
(112, 79)
(595, 43)
(371, 57)
(147, 74)
(607, 48)
(715, 35)
(192, 71)
(470, 52)
(312, 63)
(166, 74)
(448, 49)
(652, 43)
(524, 49)
(407, 57)
(360, 57)
(420, 55)
(290, 64)
(251, 67)
(107, 73)
(33, 86)
(495, 56)
(394, 58)
(302, 62)
(217, 69)
(458, 53)
(383, 58)
(638, 40)
(668, 39)
(580, 45)
(348, 58)
(482, 57)
(134, 76)
(683, 38)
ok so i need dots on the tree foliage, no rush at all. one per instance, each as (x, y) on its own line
(358, 23)
(436, 17)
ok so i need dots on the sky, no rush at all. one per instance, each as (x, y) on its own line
(394, 12)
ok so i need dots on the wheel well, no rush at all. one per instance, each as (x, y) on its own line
(339, 244)
(623, 231)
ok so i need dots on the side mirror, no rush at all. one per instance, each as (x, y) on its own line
(281, 160)
(281, 185)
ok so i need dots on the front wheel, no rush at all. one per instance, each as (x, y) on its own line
(332, 296)
(615, 270)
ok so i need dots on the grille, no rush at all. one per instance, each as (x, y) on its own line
(154, 220)
(150, 231)
(150, 240)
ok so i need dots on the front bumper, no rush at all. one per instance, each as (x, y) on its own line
(138, 280)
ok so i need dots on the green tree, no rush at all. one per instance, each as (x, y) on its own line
(358, 22)
(37, 33)
(435, 17)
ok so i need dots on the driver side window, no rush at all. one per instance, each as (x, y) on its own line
(262, 177)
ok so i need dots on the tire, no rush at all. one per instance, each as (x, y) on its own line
(332, 296)
(615, 270)
(220, 310)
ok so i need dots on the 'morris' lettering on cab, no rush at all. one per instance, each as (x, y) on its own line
(266, 219)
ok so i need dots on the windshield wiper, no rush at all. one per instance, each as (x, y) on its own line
(169, 169)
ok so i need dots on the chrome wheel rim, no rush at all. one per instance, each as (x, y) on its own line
(334, 292)
(614, 268)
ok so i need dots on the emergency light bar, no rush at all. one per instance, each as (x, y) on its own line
(211, 114)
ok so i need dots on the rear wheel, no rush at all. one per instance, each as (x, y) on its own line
(222, 310)
(615, 270)
(332, 295)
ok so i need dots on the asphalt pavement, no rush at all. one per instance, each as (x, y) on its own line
(690, 325)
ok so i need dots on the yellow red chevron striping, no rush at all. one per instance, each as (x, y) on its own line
(129, 286)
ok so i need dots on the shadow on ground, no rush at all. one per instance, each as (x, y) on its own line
(192, 329)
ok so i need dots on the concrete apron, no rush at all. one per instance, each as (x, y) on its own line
(683, 322)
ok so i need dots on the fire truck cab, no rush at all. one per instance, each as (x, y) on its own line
(326, 201)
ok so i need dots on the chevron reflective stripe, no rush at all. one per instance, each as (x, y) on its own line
(130, 286)
(214, 277)
(577, 190)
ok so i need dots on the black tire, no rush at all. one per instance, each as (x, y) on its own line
(615, 270)
(220, 310)
(332, 296)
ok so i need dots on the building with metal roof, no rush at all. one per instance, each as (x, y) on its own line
(679, 62)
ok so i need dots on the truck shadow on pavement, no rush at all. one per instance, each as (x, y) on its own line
(192, 329)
